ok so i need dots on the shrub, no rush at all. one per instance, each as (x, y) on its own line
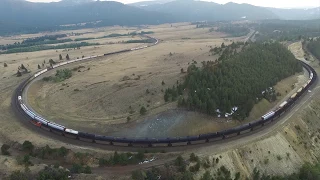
(206, 176)
(138, 175)
(143, 110)
(195, 168)
(206, 164)
(4, 149)
(18, 175)
(19, 74)
(180, 163)
(49, 78)
(62, 151)
(279, 157)
(51, 61)
(27, 146)
(53, 173)
(5, 65)
(193, 157)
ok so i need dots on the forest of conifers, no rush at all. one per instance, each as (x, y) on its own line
(237, 81)
(314, 47)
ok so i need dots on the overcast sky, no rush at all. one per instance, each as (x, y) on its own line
(266, 3)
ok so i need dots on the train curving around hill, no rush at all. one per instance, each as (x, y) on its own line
(41, 122)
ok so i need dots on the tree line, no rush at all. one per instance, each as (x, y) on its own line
(286, 30)
(47, 47)
(314, 47)
(235, 30)
(236, 81)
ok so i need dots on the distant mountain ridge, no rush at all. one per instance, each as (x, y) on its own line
(229, 11)
(190, 10)
(20, 16)
(15, 15)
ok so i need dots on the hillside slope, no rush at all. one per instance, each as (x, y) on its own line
(190, 10)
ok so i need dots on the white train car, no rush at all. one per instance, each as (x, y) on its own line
(283, 104)
(40, 72)
(268, 115)
(42, 120)
(56, 126)
(72, 131)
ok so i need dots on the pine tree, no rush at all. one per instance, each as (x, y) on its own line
(60, 56)
(5, 65)
(19, 74)
(22, 67)
(143, 110)
(39, 66)
(67, 57)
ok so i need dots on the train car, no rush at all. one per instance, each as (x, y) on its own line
(42, 120)
(40, 72)
(209, 136)
(299, 90)
(268, 115)
(86, 135)
(145, 141)
(104, 138)
(293, 96)
(71, 131)
(240, 128)
(56, 126)
(283, 104)
(56, 65)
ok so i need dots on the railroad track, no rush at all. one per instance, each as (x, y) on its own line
(31, 119)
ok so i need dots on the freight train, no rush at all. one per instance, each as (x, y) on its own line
(150, 142)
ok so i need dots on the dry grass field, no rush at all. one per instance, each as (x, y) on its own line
(116, 82)
(108, 90)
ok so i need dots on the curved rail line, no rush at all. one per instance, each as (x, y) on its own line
(153, 142)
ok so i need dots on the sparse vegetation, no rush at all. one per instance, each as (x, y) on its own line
(122, 159)
(79, 168)
(4, 149)
(60, 76)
